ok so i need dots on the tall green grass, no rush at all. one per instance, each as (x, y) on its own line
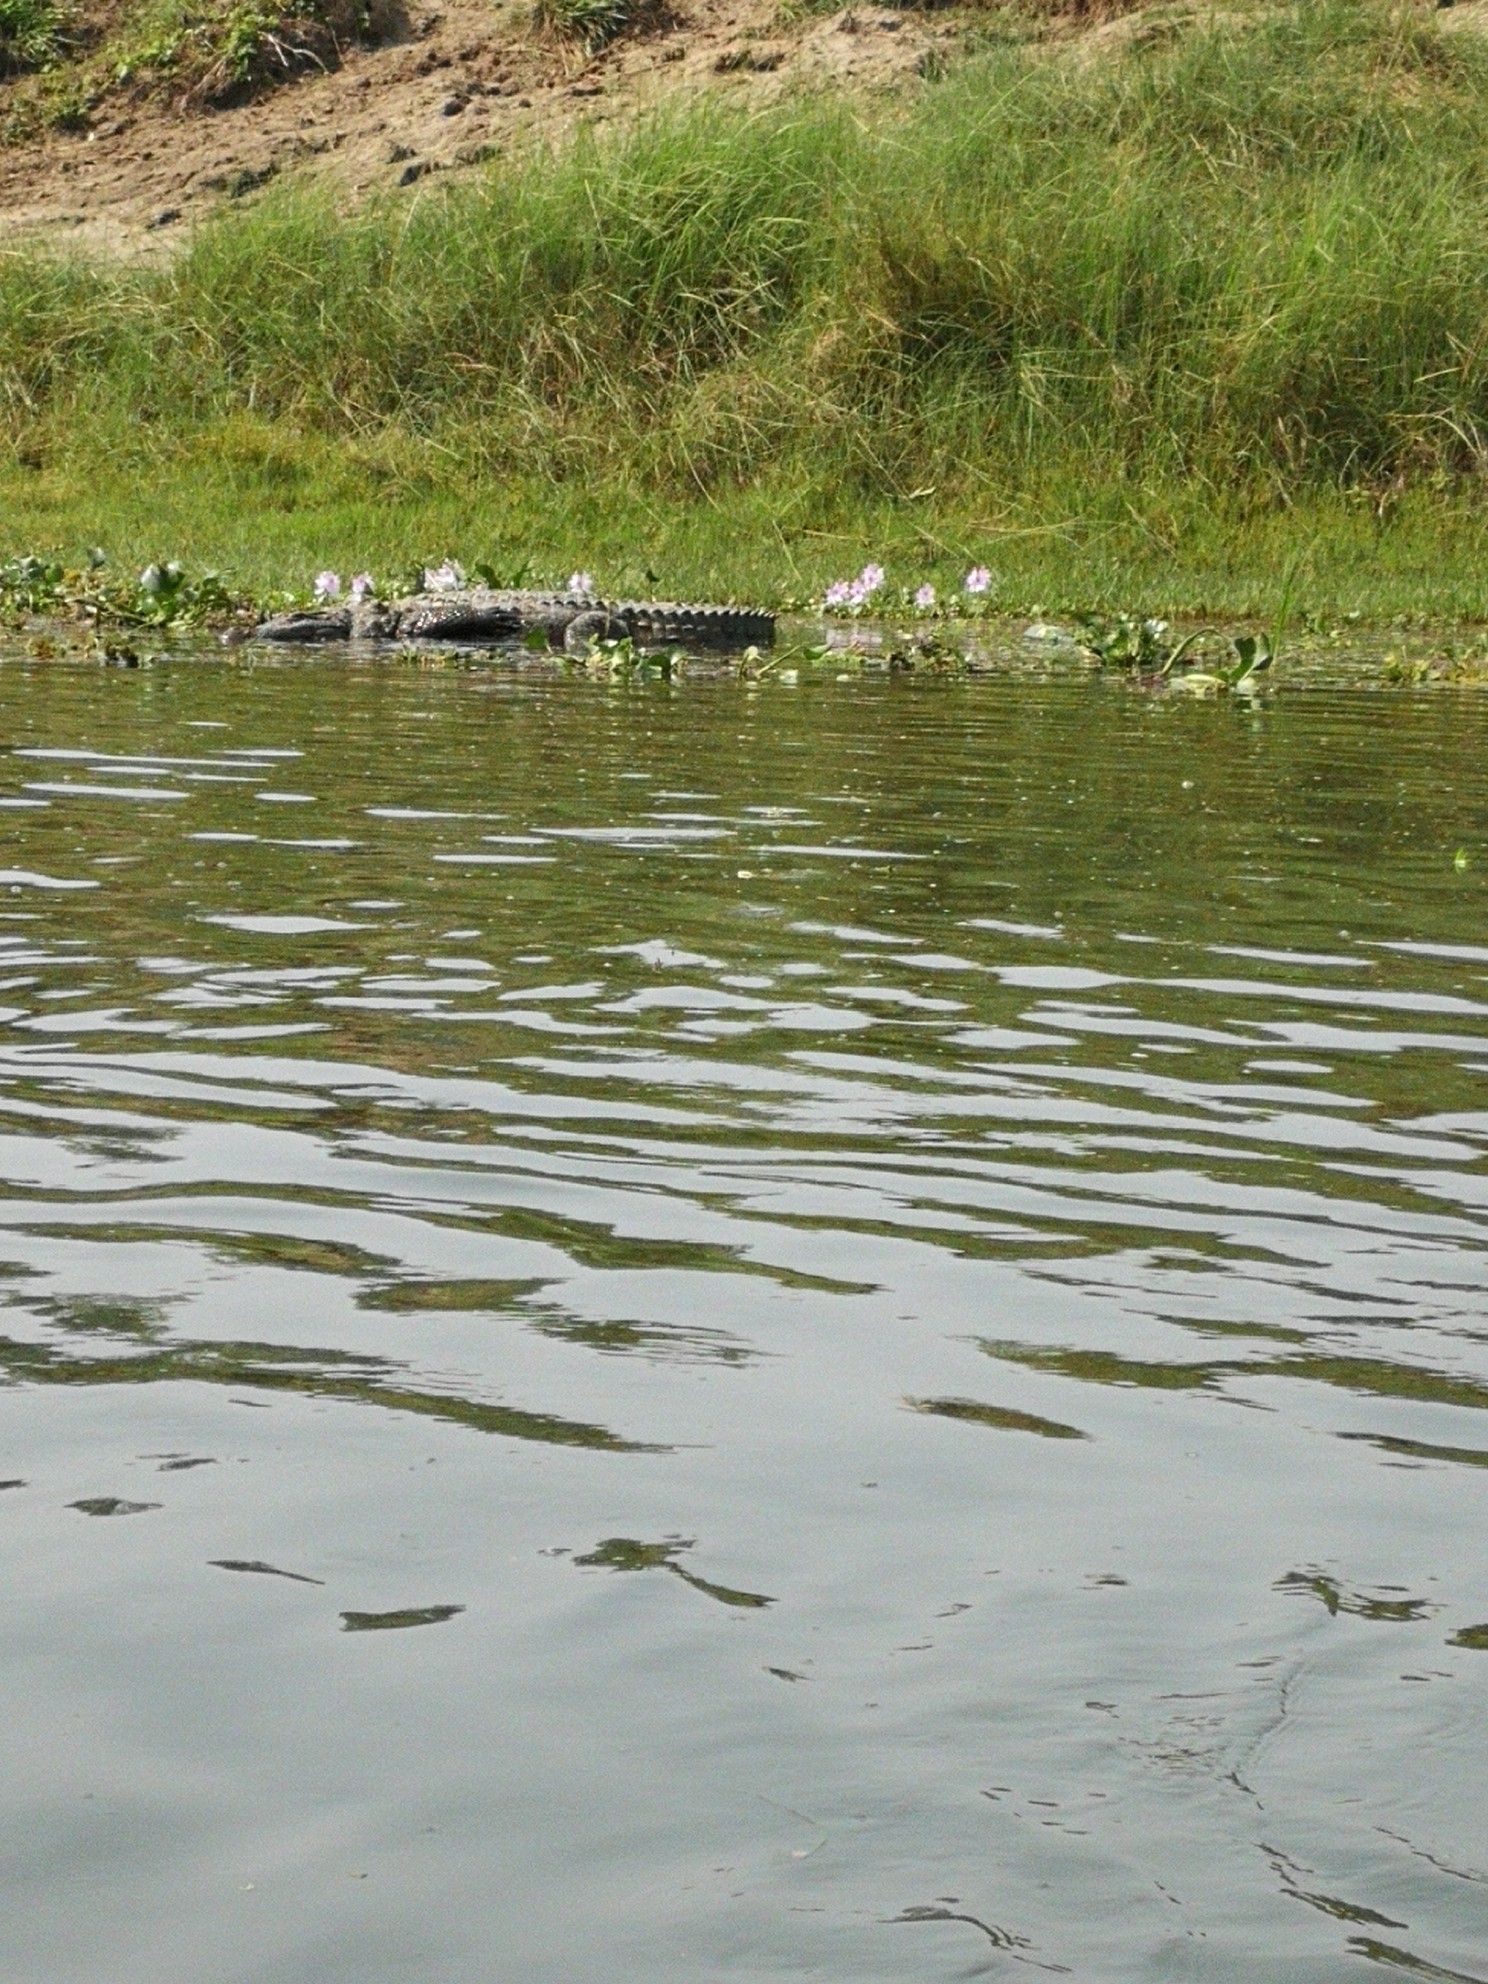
(1240, 268)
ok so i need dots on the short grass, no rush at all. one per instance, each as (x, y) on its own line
(1140, 329)
(270, 507)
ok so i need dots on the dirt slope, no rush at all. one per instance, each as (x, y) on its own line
(459, 82)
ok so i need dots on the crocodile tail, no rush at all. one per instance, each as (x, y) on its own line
(696, 626)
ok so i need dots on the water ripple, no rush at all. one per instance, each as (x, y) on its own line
(1063, 1357)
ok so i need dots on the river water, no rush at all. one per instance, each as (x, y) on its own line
(690, 1331)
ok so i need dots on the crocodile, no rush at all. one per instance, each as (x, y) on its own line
(487, 616)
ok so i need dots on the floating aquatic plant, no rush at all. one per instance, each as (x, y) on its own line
(164, 594)
(626, 660)
(1149, 649)
(1253, 653)
(926, 651)
(1125, 640)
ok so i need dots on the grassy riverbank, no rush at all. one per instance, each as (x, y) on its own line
(1132, 327)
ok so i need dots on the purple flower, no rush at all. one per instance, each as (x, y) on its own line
(838, 593)
(580, 582)
(327, 585)
(978, 579)
(924, 599)
(363, 586)
(858, 594)
(870, 579)
(447, 577)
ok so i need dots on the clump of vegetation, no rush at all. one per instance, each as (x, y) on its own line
(590, 23)
(216, 55)
(1146, 644)
(31, 35)
(1250, 655)
(162, 595)
(627, 660)
(208, 53)
(593, 24)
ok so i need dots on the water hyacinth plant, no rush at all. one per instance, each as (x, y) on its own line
(1125, 640)
(871, 587)
(852, 595)
(625, 660)
(1151, 652)
(1252, 655)
(164, 594)
(327, 587)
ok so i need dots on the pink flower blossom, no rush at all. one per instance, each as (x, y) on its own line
(447, 577)
(838, 593)
(870, 579)
(580, 582)
(327, 585)
(924, 599)
(978, 579)
(363, 586)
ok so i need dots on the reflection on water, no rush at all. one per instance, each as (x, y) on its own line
(413, 1615)
(1005, 1416)
(981, 1180)
(623, 1553)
